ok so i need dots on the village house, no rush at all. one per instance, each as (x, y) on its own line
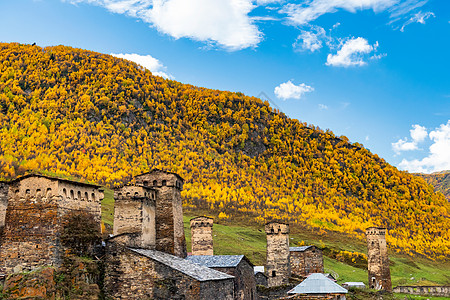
(305, 260)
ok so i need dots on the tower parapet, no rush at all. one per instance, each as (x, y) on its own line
(277, 265)
(201, 236)
(378, 260)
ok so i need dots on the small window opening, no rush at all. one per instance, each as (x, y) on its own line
(164, 182)
(274, 273)
(145, 183)
(155, 182)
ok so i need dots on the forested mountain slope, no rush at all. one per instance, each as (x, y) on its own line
(440, 181)
(79, 113)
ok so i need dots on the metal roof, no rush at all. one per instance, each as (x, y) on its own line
(198, 272)
(216, 261)
(317, 283)
(299, 249)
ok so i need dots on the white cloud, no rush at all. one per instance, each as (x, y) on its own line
(418, 134)
(323, 107)
(351, 53)
(419, 17)
(301, 14)
(310, 40)
(265, 2)
(438, 158)
(288, 90)
(148, 62)
(223, 23)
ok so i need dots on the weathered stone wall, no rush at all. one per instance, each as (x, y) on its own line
(201, 236)
(129, 275)
(378, 260)
(4, 187)
(438, 291)
(33, 220)
(261, 279)
(278, 268)
(244, 280)
(134, 213)
(169, 211)
(306, 262)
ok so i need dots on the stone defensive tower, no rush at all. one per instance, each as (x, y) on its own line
(378, 260)
(277, 266)
(4, 187)
(134, 216)
(201, 236)
(36, 204)
(169, 210)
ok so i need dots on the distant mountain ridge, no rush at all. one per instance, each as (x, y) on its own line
(440, 181)
(74, 112)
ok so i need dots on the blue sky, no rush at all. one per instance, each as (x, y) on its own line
(377, 71)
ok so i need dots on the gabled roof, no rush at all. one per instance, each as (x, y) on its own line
(158, 170)
(218, 261)
(198, 272)
(317, 283)
(54, 178)
(300, 249)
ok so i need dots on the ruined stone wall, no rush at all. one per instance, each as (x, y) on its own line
(201, 236)
(134, 212)
(306, 262)
(437, 291)
(244, 280)
(129, 275)
(169, 211)
(278, 268)
(378, 261)
(4, 187)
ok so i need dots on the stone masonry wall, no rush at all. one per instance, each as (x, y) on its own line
(4, 187)
(277, 266)
(129, 275)
(169, 211)
(378, 261)
(438, 291)
(134, 213)
(201, 236)
(244, 281)
(306, 262)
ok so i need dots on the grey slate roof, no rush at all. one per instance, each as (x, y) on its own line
(198, 272)
(317, 283)
(216, 261)
(299, 249)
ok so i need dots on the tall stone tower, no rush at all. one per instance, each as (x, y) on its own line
(378, 260)
(134, 216)
(4, 187)
(277, 266)
(201, 236)
(169, 210)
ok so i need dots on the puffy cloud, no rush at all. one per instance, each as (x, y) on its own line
(418, 134)
(351, 53)
(438, 158)
(323, 107)
(310, 40)
(224, 23)
(148, 62)
(419, 17)
(288, 90)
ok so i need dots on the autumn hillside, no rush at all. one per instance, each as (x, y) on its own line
(73, 112)
(440, 181)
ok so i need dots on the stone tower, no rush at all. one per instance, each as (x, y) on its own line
(378, 260)
(134, 216)
(4, 187)
(277, 266)
(201, 236)
(169, 210)
(36, 204)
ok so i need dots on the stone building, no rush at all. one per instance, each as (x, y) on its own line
(236, 265)
(277, 264)
(134, 215)
(378, 260)
(150, 274)
(317, 286)
(36, 204)
(168, 211)
(201, 236)
(305, 260)
(4, 187)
